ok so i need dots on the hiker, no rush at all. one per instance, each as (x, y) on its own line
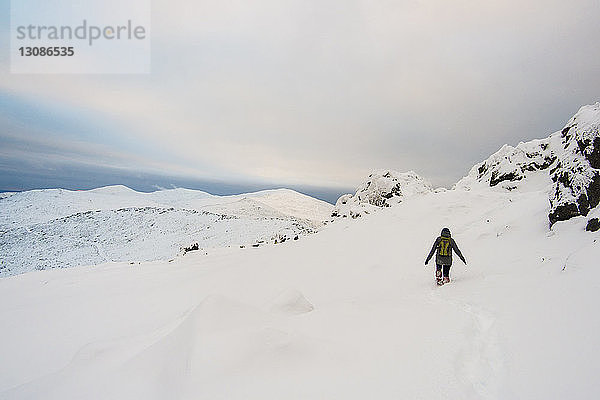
(443, 259)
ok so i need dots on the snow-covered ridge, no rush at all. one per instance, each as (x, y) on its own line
(57, 228)
(44, 205)
(382, 188)
(567, 163)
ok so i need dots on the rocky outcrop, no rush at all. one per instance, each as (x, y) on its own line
(576, 173)
(381, 189)
(570, 160)
(593, 225)
(512, 164)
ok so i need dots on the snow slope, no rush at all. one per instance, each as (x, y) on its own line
(347, 313)
(58, 228)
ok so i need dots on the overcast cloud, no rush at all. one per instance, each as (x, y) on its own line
(315, 92)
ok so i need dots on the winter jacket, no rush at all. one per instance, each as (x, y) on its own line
(444, 259)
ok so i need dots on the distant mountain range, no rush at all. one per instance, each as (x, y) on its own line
(56, 228)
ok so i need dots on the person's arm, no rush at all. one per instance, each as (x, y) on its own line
(435, 245)
(457, 251)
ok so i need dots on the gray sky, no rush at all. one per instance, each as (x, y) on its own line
(313, 93)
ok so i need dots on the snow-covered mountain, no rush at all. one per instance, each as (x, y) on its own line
(348, 312)
(567, 162)
(57, 228)
(381, 189)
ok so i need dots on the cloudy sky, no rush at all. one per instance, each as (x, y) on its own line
(307, 93)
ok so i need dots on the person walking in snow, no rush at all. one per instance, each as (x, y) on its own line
(444, 245)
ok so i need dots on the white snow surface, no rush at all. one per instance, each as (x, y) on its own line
(56, 228)
(347, 313)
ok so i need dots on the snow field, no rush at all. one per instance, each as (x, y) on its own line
(350, 312)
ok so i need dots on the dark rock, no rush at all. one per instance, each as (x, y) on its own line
(586, 201)
(593, 191)
(594, 156)
(563, 178)
(557, 166)
(193, 247)
(511, 176)
(583, 144)
(563, 213)
(583, 205)
(548, 161)
(482, 170)
(593, 225)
